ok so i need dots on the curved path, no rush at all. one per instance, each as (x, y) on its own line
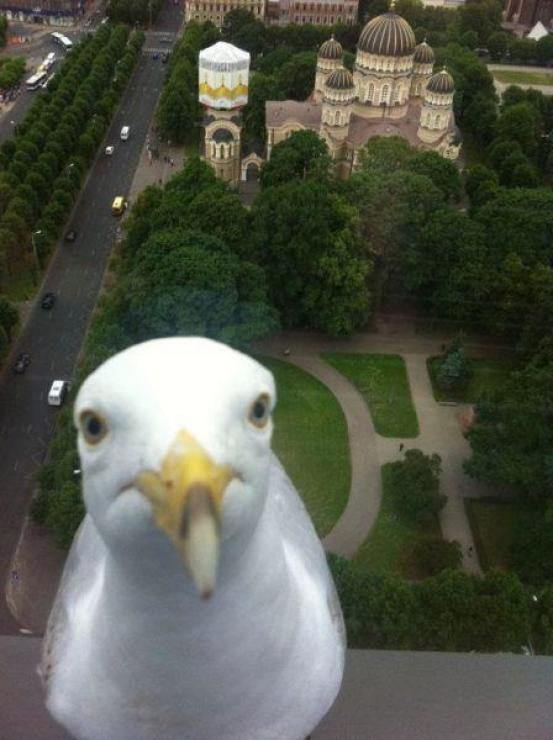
(439, 433)
(352, 528)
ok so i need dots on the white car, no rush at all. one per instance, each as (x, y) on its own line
(110, 150)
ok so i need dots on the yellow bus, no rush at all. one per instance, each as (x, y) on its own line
(118, 206)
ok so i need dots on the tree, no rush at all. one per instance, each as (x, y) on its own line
(512, 438)
(531, 550)
(296, 78)
(521, 123)
(385, 154)
(497, 45)
(434, 554)
(454, 370)
(306, 236)
(177, 111)
(481, 185)
(9, 316)
(186, 282)
(442, 172)
(262, 88)
(303, 155)
(544, 49)
(3, 30)
(415, 485)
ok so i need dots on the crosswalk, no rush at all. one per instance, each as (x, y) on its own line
(156, 50)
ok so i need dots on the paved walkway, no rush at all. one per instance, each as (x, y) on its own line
(365, 492)
(441, 431)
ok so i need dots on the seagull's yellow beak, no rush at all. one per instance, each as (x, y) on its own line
(186, 497)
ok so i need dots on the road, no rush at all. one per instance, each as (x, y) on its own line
(54, 338)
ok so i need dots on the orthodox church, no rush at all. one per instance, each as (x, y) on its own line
(392, 92)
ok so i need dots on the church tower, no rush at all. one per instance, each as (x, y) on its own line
(329, 59)
(223, 91)
(436, 108)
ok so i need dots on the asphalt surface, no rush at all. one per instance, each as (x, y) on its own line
(53, 338)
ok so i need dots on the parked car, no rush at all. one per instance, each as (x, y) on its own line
(71, 236)
(22, 363)
(48, 300)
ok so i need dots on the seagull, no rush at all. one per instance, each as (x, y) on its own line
(196, 602)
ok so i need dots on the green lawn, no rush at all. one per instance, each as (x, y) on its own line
(488, 375)
(383, 382)
(387, 549)
(523, 78)
(492, 522)
(311, 440)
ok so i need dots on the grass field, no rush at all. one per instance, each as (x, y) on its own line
(20, 286)
(523, 78)
(311, 440)
(488, 375)
(492, 522)
(383, 382)
(387, 549)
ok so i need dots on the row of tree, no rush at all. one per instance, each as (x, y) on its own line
(11, 72)
(42, 166)
(3, 30)
(133, 12)
(452, 611)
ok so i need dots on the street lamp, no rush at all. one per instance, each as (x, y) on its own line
(35, 253)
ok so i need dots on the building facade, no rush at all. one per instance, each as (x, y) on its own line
(46, 12)
(223, 72)
(215, 10)
(526, 13)
(317, 12)
(392, 92)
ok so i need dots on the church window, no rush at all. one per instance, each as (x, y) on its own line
(395, 95)
(385, 94)
(370, 93)
(437, 121)
(418, 88)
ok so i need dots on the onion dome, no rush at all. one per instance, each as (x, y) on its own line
(388, 35)
(340, 79)
(331, 49)
(441, 83)
(424, 54)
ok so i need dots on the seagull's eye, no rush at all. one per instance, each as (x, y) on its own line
(93, 426)
(260, 411)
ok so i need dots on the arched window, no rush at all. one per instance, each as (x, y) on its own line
(338, 118)
(370, 93)
(418, 88)
(384, 96)
(437, 121)
(395, 94)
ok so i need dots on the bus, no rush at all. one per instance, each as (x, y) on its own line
(62, 40)
(34, 82)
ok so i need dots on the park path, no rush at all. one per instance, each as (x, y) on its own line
(440, 432)
(350, 531)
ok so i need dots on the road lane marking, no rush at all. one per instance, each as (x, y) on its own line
(16, 465)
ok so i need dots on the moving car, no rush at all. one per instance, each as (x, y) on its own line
(22, 363)
(71, 236)
(57, 392)
(48, 300)
(109, 150)
(125, 132)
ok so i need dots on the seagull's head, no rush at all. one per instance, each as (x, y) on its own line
(174, 440)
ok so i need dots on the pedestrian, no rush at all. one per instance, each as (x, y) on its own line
(172, 162)
(401, 447)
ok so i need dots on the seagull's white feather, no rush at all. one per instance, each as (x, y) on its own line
(132, 652)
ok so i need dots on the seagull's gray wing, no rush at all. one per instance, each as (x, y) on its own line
(85, 557)
(298, 531)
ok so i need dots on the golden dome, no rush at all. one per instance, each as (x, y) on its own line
(387, 35)
(331, 49)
